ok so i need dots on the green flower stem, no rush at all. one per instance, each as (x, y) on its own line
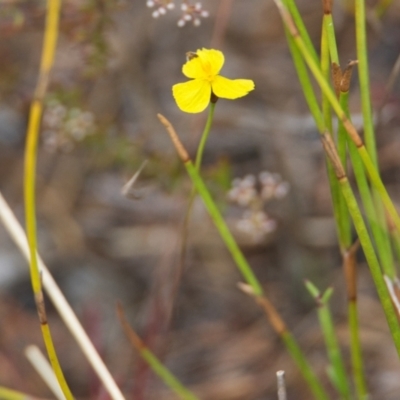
(372, 261)
(199, 159)
(49, 46)
(324, 85)
(223, 229)
(204, 136)
(338, 374)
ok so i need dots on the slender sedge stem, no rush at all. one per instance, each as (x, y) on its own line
(373, 262)
(324, 85)
(363, 74)
(294, 11)
(369, 134)
(337, 198)
(356, 354)
(49, 46)
(379, 233)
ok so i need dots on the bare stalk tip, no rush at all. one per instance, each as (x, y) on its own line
(183, 154)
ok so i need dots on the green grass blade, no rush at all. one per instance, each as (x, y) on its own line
(338, 374)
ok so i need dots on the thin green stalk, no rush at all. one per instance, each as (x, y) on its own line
(330, 61)
(363, 74)
(329, 29)
(380, 234)
(304, 79)
(49, 46)
(204, 136)
(223, 229)
(337, 372)
(199, 159)
(356, 354)
(369, 134)
(345, 220)
(349, 257)
(342, 219)
(294, 11)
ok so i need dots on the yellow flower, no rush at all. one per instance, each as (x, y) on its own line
(203, 68)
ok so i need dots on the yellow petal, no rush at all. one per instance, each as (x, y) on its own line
(212, 61)
(192, 96)
(194, 69)
(231, 88)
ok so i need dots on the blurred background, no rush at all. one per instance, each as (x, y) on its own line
(115, 65)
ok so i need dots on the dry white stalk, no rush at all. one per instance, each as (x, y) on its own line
(126, 189)
(280, 377)
(64, 309)
(43, 368)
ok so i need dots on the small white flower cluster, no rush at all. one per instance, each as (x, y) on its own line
(256, 224)
(62, 126)
(243, 191)
(192, 13)
(161, 6)
(253, 193)
(272, 186)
